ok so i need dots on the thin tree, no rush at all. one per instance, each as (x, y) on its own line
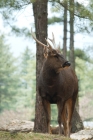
(65, 31)
(71, 44)
(71, 22)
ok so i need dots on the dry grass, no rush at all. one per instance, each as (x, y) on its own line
(30, 136)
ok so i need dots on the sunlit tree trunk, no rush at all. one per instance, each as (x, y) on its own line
(40, 16)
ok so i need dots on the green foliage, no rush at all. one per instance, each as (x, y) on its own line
(15, 4)
(54, 20)
(27, 90)
(54, 114)
(85, 75)
(84, 70)
(8, 76)
(9, 10)
(83, 11)
(17, 82)
(21, 32)
(32, 1)
(10, 7)
(81, 54)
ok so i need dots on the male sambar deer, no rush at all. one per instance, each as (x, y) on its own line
(57, 84)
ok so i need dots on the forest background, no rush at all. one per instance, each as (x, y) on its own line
(18, 70)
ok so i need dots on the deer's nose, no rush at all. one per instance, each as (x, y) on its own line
(66, 64)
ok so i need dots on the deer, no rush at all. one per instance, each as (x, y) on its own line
(57, 84)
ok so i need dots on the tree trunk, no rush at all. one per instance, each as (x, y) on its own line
(40, 16)
(71, 55)
(65, 32)
(77, 123)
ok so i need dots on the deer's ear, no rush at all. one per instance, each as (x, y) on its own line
(45, 52)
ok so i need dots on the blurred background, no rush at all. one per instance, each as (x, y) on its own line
(18, 57)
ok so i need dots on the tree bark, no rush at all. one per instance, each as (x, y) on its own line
(71, 55)
(40, 16)
(77, 123)
(65, 32)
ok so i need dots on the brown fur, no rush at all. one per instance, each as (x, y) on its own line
(58, 84)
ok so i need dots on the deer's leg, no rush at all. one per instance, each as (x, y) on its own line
(47, 108)
(64, 118)
(60, 108)
(70, 108)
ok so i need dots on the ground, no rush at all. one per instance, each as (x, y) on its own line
(29, 136)
(86, 113)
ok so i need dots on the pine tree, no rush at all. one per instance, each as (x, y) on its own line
(8, 76)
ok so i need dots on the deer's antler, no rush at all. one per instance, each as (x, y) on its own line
(49, 45)
(53, 40)
(37, 40)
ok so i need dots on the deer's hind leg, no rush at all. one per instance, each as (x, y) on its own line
(67, 116)
(64, 118)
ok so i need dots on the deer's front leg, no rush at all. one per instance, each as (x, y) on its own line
(47, 109)
(60, 109)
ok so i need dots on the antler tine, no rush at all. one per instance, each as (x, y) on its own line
(49, 45)
(37, 40)
(53, 40)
